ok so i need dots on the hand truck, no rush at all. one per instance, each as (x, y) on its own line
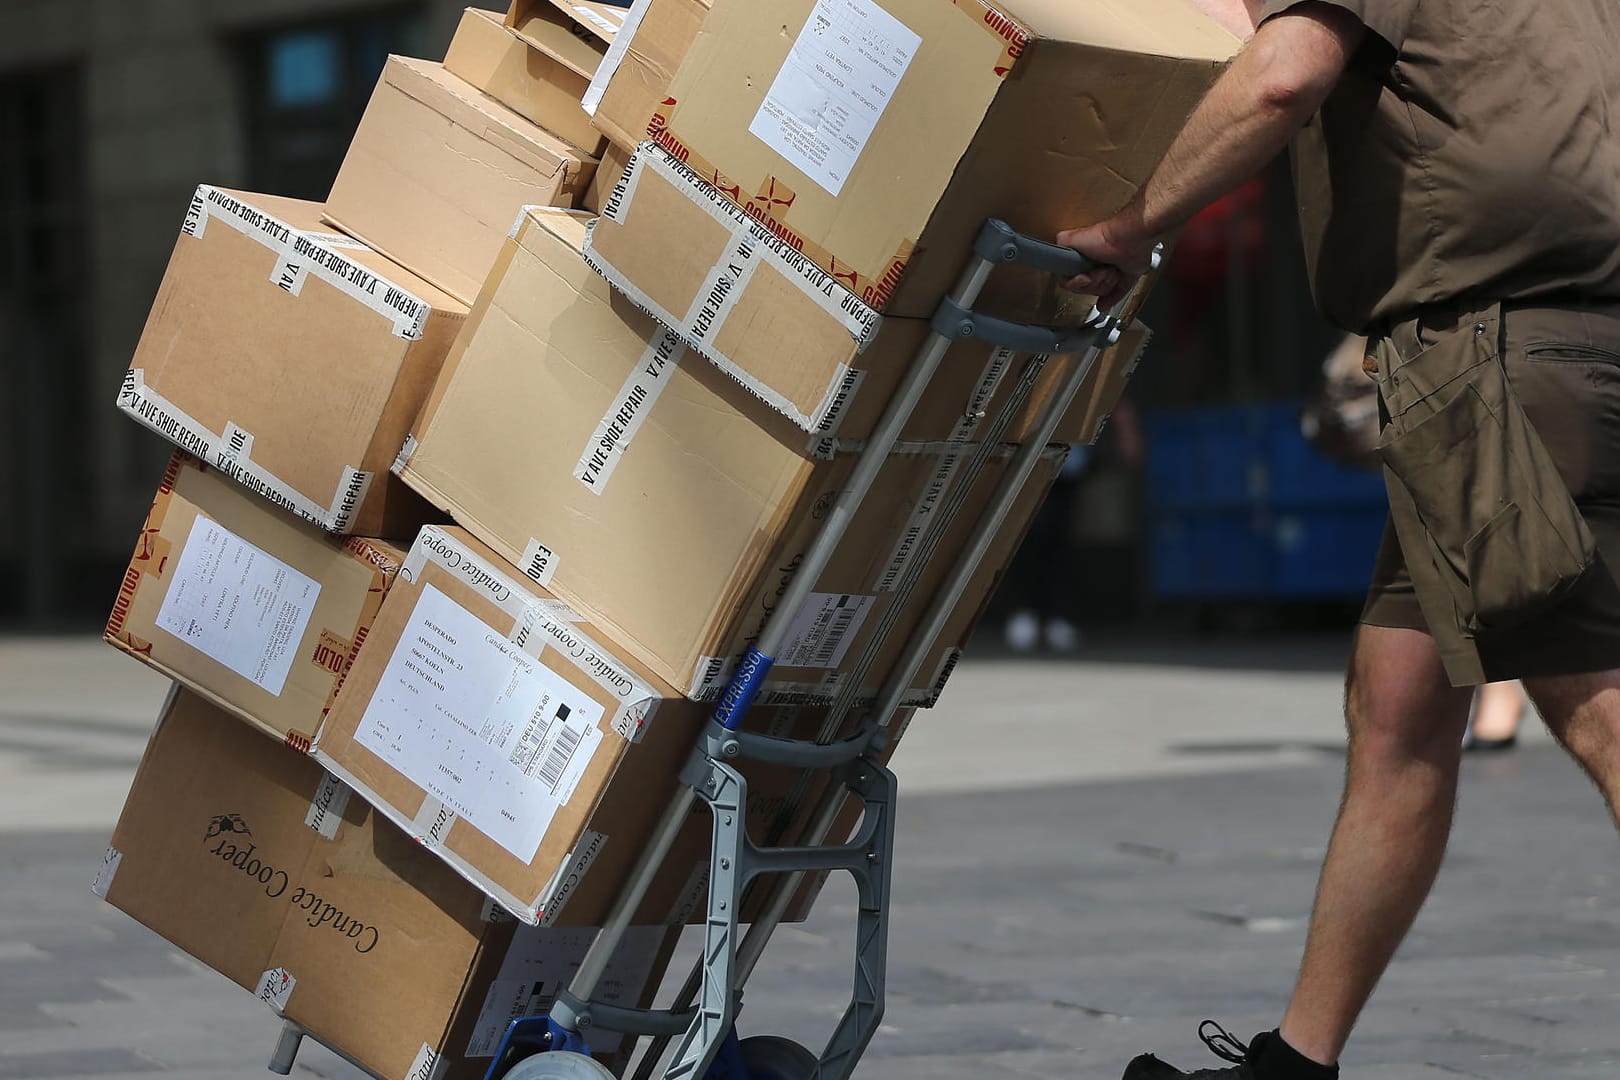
(701, 1020)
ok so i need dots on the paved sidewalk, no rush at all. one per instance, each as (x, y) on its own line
(1093, 856)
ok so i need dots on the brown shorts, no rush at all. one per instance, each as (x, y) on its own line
(1562, 368)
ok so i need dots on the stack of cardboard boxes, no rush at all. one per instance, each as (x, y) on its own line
(491, 465)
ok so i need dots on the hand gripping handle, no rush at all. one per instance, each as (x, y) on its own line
(997, 242)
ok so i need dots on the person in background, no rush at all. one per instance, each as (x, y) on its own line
(1458, 179)
(1039, 588)
(1498, 710)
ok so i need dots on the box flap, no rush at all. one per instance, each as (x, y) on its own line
(468, 107)
(545, 28)
(601, 19)
(1175, 28)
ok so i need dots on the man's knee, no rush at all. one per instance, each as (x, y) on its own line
(1398, 701)
(1582, 712)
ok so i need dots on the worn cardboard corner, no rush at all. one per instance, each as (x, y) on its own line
(544, 85)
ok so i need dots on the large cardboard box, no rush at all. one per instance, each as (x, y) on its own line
(544, 85)
(438, 170)
(788, 331)
(503, 731)
(878, 134)
(656, 498)
(255, 610)
(633, 78)
(292, 359)
(253, 859)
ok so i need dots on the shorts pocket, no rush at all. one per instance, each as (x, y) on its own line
(1500, 521)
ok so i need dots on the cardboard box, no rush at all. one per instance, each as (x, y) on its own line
(633, 78)
(253, 859)
(543, 84)
(1045, 113)
(608, 172)
(252, 608)
(499, 728)
(654, 496)
(771, 319)
(438, 171)
(593, 23)
(238, 361)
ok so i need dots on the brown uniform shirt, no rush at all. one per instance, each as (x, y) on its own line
(1471, 151)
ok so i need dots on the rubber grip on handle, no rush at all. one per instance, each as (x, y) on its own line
(998, 242)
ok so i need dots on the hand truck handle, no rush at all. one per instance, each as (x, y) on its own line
(999, 242)
(952, 320)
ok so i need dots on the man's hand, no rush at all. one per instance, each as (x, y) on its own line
(1123, 254)
(1280, 78)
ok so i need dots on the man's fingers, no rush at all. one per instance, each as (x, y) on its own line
(1110, 298)
(1096, 282)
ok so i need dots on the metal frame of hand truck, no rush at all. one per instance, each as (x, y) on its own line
(552, 1047)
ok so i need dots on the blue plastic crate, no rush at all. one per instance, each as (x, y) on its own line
(1323, 551)
(1205, 458)
(1211, 554)
(1298, 473)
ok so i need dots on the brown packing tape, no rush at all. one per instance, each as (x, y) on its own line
(385, 566)
(1014, 35)
(152, 552)
(762, 207)
(332, 653)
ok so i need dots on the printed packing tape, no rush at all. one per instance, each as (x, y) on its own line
(301, 254)
(429, 1065)
(110, 863)
(275, 988)
(626, 413)
(327, 807)
(555, 896)
(1013, 38)
(164, 417)
(152, 551)
(751, 242)
(617, 50)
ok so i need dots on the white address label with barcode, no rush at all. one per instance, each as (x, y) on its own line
(497, 737)
(823, 630)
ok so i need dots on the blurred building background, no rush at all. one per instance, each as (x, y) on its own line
(111, 113)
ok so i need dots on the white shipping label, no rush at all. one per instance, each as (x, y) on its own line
(479, 725)
(540, 963)
(823, 630)
(238, 605)
(833, 87)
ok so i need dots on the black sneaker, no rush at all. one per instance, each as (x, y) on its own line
(1221, 1043)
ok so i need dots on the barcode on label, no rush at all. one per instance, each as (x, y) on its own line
(562, 752)
(824, 629)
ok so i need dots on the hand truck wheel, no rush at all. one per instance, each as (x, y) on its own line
(559, 1065)
(771, 1057)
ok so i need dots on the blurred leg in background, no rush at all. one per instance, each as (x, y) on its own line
(1498, 709)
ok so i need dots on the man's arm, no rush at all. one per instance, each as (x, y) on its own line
(1273, 87)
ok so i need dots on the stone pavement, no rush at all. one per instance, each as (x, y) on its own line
(1093, 856)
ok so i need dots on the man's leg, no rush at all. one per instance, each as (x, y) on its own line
(1405, 724)
(1583, 713)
